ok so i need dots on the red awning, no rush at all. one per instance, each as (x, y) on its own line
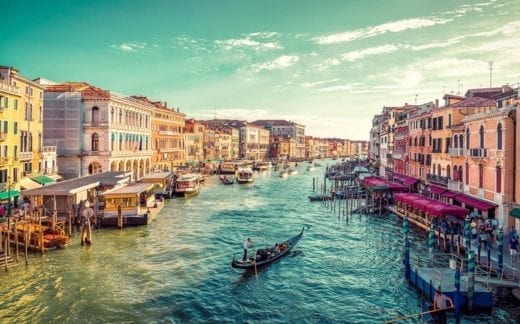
(475, 202)
(410, 181)
(441, 209)
(436, 190)
(449, 194)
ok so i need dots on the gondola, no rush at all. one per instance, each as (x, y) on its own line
(319, 198)
(226, 180)
(271, 256)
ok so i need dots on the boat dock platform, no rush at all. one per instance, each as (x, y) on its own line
(428, 280)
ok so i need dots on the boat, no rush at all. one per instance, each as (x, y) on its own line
(311, 168)
(245, 175)
(283, 174)
(269, 256)
(227, 168)
(319, 198)
(187, 185)
(225, 180)
(293, 172)
(317, 164)
(262, 166)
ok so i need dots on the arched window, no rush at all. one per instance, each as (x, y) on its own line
(467, 173)
(461, 141)
(112, 115)
(499, 137)
(481, 136)
(415, 141)
(499, 179)
(95, 142)
(455, 141)
(120, 117)
(467, 138)
(439, 170)
(433, 168)
(459, 176)
(455, 173)
(480, 176)
(448, 172)
(95, 115)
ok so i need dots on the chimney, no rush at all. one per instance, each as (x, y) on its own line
(436, 103)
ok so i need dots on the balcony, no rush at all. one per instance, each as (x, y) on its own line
(49, 149)
(476, 152)
(455, 185)
(456, 151)
(8, 88)
(3, 136)
(131, 153)
(4, 160)
(397, 156)
(96, 153)
(25, 156)
(164, 132)
(170, 149)
(437, 179)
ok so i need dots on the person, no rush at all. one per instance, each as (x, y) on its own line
(276, 248)
(513, 233)
(247, 244)
(440, 305)
(513, 245)
(26, 206)
(86, 215)
(2, 210)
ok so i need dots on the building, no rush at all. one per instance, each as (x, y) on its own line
(22, 157)
(97, 130)
(194, 141)
(254, 142)
(286, 128)
(280, 147)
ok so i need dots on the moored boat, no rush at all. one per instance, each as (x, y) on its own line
(293, 172)
(245, 175)
(283, 174)
(187, 185)
(310, 168)
(267, 255)
(225, 180)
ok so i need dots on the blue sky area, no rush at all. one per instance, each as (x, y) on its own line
(330, 65)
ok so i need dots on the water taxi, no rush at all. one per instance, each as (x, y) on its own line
(187, 185)
(283, 174)
(293, 172)
(245, 175)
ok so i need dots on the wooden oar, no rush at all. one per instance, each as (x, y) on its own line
(256, 272)
(419, 314)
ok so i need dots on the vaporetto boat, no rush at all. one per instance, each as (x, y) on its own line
(245, 175)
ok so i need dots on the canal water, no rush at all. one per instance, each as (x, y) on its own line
(178, 268)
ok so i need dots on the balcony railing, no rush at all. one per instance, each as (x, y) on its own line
(131, 153)
(24, 156)
(455, 185)
(437, 179)
(476, 152)
(456, 151)
(49, 149)
(9, 88)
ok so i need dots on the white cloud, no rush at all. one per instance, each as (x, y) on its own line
(229, 44)
(343, 87)
(327, 63)
(317, 83)
(129, 47)
(409, 79)
(281, 62)
(391, 27)
(360, 54)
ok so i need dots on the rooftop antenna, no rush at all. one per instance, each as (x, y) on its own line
(458, 87)
(416, 99)
(490, 72)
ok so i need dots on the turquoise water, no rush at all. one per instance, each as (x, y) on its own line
(178, 268)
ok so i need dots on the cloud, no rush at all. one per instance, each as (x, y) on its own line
(360, 54)
(317, 83)
(327, 63)
(129, 47)
(343, 87)
(256, 41)
(391, 27)
(279, 63)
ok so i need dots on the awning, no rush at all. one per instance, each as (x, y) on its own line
(27, 183)
(474, 202)
(436, 190)
(54, 176)
(43, 180)
(410, 181)
(515, 212)
(449, 194)
(4, 195)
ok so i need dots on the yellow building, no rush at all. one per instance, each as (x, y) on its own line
(21, 107)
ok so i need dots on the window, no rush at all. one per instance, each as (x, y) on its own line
(455, 141)
(448, 172)
(6, 126)
(467, 173)
(480, 176)
(499, 179)
(455, 173)
(95, 142)
(95, 115)
(481, 136)
(433, 169)
(15, 104)
(499, 137)
(15, 128)
(461, 141)
(438, 169)
(112, 115)
(467, 138)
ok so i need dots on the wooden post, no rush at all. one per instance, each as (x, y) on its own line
(40, 229)
(5, 250)
(69, 228)
(119, 217)
(15, 232)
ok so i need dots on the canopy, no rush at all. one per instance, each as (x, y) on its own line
(515, 212)
(44, 180)
(4, 195)
(449, 194)
(442, 209)
(474, 202)
(27, 183)
(436, 190)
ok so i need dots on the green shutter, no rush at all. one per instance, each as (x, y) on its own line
(15, 128)
(515, 212)
(6, 102)
(6, 128)
(15, 104)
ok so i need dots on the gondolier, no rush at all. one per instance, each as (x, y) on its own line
(247, 244)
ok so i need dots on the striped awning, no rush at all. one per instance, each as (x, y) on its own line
(27, 183)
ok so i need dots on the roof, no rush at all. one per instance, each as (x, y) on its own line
(274, 122)
(84, 88)
(72, 186)
(157, 175)
(475, 102)
(487, 92)
(134, 188)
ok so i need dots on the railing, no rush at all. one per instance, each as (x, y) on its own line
(455, 185)
(438, 179)
(49, 149)
(26, 156)
(480, 192)
(456, 151)
(168, 133)
(130, 153)
(9, 88)
(476, 152)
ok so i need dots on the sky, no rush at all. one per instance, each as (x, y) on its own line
(329, 65)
